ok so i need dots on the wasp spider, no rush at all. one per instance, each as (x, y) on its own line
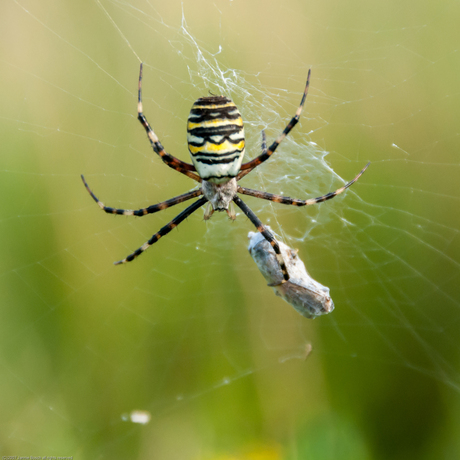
(215, 136)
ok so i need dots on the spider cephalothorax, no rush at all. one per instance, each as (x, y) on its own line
(215, 136)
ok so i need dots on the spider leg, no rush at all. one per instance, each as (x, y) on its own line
(246, 168)
(265, 232)
(264, 142)
(171, 161)
(165, 230)
(294, 201)
(144, 211)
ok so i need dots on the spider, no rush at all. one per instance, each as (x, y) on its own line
(215, 136)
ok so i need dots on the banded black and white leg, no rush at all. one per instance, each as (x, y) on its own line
(164, 230)
(246, 168)
(173, 162)
(294, 201)
(144, 211)
(267, 234)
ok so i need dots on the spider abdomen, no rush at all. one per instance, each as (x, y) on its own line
(215, 136)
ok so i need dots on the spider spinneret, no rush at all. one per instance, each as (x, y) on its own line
(215, 137)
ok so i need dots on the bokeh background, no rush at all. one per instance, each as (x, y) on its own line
(190, 332)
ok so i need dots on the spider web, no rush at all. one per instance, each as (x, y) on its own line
(189, 335)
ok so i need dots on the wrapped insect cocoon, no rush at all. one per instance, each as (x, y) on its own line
(307, 296)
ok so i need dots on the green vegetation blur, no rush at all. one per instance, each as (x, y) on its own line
(189, 332)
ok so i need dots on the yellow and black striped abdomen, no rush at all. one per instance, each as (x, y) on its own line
(215, 136)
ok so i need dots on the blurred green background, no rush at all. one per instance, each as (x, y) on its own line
(189, 332)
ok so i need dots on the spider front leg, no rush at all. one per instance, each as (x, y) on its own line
(165, 230)
(171, 161)
(144, 211)
(265, 232)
